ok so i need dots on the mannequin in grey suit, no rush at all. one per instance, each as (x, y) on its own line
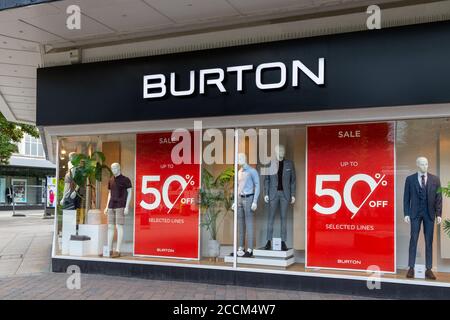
(422, 204)
(279, 189)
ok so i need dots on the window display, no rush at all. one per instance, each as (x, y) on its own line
(334, 196)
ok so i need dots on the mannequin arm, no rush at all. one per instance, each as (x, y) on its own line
(255, 178)
(266, 187)
(438, 203)
(406, 199)
(293, 182)
(127, 206)
(107, 203)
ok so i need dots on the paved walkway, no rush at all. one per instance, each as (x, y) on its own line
(25, 250)
(100, 287)
(25, 243)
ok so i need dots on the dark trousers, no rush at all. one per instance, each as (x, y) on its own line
(428, 231)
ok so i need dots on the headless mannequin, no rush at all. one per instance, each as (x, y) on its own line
(280, 195)
(68, 193)
(280, 151)
(248, 192)
(115, 168)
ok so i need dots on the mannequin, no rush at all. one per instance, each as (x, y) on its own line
(422, 204)
(71, 199)
(248, 193)
(117, 206)
(279, 190)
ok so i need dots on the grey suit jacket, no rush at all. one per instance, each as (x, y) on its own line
(288, 180)
(411, 196)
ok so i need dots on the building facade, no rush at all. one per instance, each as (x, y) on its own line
(23, 182)
(261, 148)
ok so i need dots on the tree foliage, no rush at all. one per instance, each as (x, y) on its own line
(10, 134)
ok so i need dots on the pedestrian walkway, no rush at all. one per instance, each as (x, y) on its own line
(25, 243)
(25, 255)
(53, 286)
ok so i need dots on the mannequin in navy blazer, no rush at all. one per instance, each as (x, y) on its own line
(422, 204)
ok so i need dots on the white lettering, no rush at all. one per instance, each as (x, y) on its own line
(272, 65)
(148, 86)
(319, 80)
(217, 81)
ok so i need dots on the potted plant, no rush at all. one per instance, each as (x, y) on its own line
(88, 170)
(446, 223)
(215, 201)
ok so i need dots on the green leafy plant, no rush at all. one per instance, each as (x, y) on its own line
(89, 170)
(216, 199)
(11, 134)
(446, 192)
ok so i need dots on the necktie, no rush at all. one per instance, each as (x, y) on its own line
(423, 181)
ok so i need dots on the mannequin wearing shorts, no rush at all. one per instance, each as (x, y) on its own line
(118, 204)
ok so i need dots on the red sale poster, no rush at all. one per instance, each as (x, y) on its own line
(167, 213)
(351, 197)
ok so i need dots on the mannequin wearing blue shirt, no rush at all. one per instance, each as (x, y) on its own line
(248, 193)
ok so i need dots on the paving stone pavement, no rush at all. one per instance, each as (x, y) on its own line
(25, 250)
(52, 286)
(25, 243)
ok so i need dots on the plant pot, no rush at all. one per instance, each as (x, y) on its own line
(213, 248)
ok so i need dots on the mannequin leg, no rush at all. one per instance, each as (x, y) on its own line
(249, 221)
(119, 237)
(415, 230)
(428, 231)
(241, 223)
(284, 205)
(273, 207)
(111, 230)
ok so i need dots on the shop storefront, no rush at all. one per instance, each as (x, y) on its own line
(322, 131)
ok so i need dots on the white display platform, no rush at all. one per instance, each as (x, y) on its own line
(98, 234)
(69, 227)
(79, 248)
(267, 258)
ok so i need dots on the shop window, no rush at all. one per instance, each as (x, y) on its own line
(354, 189)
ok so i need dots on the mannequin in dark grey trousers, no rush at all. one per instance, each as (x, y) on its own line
(279, 189)
(422, 205)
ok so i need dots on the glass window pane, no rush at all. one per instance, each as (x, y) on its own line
(33, 149)
(40, 150)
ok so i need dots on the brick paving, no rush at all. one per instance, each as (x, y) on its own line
(25, 249)
(52, 286)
